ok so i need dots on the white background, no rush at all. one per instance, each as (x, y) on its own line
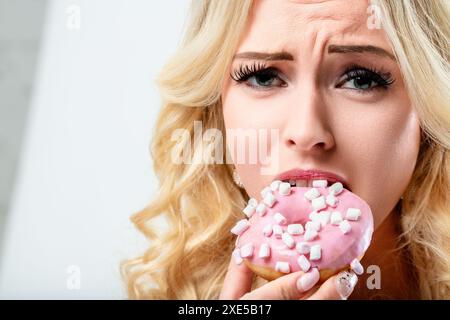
(85, 165)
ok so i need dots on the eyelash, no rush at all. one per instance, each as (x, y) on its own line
(382, 79)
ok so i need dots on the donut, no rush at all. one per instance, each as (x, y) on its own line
(297, 228)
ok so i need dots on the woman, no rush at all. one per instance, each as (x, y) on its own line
(354, 88)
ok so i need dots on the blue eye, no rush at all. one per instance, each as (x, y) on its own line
(258, 76)
(363, 79)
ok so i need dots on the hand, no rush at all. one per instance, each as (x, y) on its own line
(297, 285)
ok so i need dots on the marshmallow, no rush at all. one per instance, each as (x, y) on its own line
(269, 199)
(303, 263)
(324, 218)
(318, 203)
(345, 226)
(320, 183)
(353, 214)
(336, 218)
(240, 227)
(313, 216)
(279, 218)
(295, 229)
(261, 209)
(274, 185)
(357, 267)
(282, 266)
(277, 231)
(264, 191)
(253, 202)
(313, 225)
(237, 256)
(310, 234)
(311, 194)
(331, 200)
(284, 189)
(315, 253)
(302, 247)
(264, 251)
(247, 250)
(336, 188)
(288, 240)
(249, 210)
(267, 230)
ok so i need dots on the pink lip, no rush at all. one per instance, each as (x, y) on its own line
(298, 174)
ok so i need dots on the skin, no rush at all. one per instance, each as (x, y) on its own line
(370, 138)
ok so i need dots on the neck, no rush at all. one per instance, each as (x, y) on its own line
(394, 274)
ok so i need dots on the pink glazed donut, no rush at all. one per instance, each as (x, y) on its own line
(300, 228)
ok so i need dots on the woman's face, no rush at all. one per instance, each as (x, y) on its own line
(335, 96)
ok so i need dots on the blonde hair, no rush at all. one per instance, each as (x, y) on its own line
(201, 202)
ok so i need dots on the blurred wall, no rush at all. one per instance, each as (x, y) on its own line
(21, 23)
(85, 166)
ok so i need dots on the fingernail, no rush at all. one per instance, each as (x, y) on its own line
(345, 283)
(308, 280)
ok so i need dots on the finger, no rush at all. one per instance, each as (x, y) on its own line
(238, 281)
(288, 287)
(338, 287)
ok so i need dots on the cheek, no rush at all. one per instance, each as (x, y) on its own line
(252, 118)
(387, 151)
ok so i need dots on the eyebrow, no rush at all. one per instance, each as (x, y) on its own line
(360, 49)
(283, 55)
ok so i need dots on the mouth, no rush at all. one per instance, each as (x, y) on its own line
(311, 178)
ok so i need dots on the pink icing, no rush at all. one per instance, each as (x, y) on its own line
(338, 249)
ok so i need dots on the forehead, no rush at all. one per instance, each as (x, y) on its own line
(290, 23)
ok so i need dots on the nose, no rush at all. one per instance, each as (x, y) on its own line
(307, 127)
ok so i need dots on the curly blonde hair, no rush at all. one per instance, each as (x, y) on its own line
(200, 202)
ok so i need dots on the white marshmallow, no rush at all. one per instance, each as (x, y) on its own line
(353, 214)
(331, 200)
(253, 202)
(288, 240)
(249, 210)
(282, 266)
(295, 229)
(267, 230)
(345, 227)
(237, 256)
(313, 225)
(320, 183)
(315, 253)
(336, 218)
(357, 267)
(274, 185)
(284, 189)
(302, 247)
(314, 216)
(303, 263)
(261, 209)
(264, 251)
(279, 218)
(240, 227)
(247, 250)
(318, 203)
(310, 234)
(324, 218)
(264, 191)
(336, 188)
(311, 194)
(277, 231)
(269, 199)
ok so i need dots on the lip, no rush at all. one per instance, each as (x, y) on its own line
(299, 174)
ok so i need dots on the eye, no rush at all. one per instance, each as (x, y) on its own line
(364, 80)
(258, 76)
